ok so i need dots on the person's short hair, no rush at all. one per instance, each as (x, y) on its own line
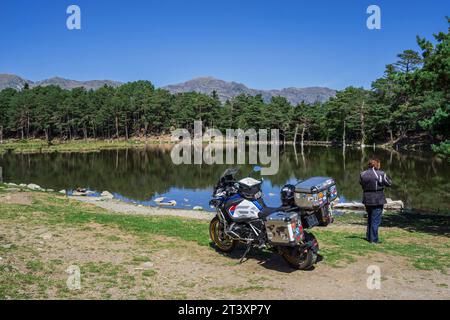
(374, 163)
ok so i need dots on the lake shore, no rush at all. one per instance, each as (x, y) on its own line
(129, 256)
(32, 146)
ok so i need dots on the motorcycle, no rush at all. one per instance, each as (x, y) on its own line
(243, 217)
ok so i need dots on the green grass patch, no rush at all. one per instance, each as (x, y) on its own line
(425, 249)
(38, 145)
(35, 265)
(54, 210)
(425, 252)
(140, 259)
(186, 229)
(113, 238)
(14, 284)
(149, 273)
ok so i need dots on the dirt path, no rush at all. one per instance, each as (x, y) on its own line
(127, 208)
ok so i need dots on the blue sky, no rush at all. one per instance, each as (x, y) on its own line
(263, 44)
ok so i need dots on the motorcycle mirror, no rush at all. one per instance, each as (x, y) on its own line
(256, 169)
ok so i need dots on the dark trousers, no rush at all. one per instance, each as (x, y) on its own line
(374, 214)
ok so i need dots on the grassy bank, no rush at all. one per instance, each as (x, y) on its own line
(90, 145)
(38, 145)
(32, 266)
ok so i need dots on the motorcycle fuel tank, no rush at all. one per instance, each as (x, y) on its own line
(240, 209)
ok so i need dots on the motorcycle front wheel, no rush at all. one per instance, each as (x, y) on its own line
(217, 234)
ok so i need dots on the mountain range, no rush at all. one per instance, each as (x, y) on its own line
(225, 90)
(16, 82)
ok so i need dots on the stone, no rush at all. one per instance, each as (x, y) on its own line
(106, 194)
(79, 194)
(147, 265)
(83, 193)
(34, 187)
(23, 185)
(46, 236)
(161, 199)
(198, 208)
(62, 191)
(170, 203)
(7, 246)
(49, 190)
(11, 184)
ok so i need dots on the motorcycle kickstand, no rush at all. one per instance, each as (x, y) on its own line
(245, 253)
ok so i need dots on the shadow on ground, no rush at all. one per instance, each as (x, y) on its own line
(416, 222)
(265, 258)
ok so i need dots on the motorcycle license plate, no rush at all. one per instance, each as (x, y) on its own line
(311, 221)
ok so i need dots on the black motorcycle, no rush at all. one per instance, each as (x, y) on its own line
(243, 217)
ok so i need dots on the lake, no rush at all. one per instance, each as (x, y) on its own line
(421, 180)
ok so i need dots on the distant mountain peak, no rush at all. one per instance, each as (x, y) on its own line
(18, 83)
(228, 90)
(12, 81)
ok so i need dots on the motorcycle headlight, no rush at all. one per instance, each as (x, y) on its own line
(215, 203)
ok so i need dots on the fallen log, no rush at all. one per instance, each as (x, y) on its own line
(391, 205)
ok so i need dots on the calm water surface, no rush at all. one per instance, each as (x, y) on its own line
(141, 175)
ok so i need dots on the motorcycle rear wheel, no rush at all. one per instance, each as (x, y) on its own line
(299, 258)
(222, 241)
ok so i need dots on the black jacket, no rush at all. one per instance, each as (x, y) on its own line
(373, 183)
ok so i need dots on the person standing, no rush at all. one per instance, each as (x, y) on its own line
(373, 181)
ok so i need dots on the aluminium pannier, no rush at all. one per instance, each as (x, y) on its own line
(315, 193)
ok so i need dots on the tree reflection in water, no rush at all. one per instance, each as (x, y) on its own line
(420, 179)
